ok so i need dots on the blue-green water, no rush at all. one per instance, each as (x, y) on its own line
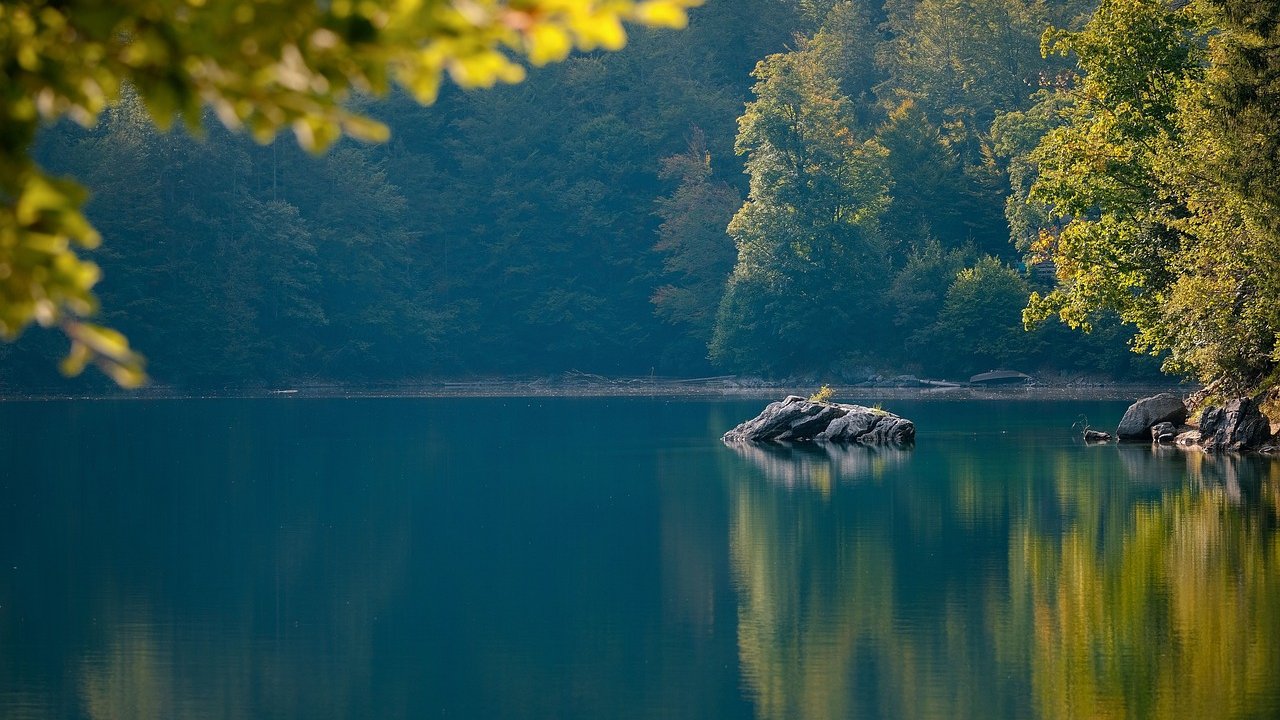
(610, 558)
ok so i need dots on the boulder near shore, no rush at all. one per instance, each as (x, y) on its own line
(795, 419)
(1147, 413)
(1239, 425)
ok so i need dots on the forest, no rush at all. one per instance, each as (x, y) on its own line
(787, 188)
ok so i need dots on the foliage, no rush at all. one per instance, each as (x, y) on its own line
(922, 171)
(263, 66)
(1223, 319)
(697, 252)
(1014, 135)
(1158, 173)
(966, 59)
(823, 395)
(233, 261)
(807, 234)
(980, 322)
(918, 291)
(925, 175)
(592, 235)
(459, 247)
(1097, 170)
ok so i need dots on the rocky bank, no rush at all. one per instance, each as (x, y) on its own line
(1238, 425)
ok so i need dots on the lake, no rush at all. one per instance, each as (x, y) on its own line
(611, 558)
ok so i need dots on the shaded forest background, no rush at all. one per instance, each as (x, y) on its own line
(578, 220)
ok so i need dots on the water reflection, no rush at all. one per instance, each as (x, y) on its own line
(1178, 619)
(350, 560)
(818, 465)
(1113, 582)
(394, 560)
(132, 677)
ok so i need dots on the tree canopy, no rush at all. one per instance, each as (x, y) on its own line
(880, 160)
(1159, 182)
(911, 169)
(262, 66)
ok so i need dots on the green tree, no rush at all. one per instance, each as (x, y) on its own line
(845, 43)
(980, 323)
(962, 60)
(698, 253)
(917, 294)
(1097, 171)
(810, 257)
(1159, 181)
(1222, 320)
(928, 194)
(263, 66)
(1015, 135)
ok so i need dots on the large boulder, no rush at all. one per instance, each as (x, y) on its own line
(1147, 412)
(1238, 426)
(795, 419)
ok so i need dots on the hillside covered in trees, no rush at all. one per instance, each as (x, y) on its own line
(788, 187)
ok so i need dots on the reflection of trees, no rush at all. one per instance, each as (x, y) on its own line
(1072, 582)
(131, 678)
(798, 638)
(970, 579)
(1174, 616)
(822, 583)
(190, 589)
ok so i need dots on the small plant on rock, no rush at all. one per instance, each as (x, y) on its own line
(823, 395)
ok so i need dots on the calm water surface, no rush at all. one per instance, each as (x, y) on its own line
(610, 558)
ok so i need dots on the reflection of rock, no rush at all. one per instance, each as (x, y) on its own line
(1138, 419)
(798, 420)
(1152, 465)
(816, 465)
(1229, 472)
(1240, 425)
(1165, 466)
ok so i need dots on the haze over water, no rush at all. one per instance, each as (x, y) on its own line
(611, 558)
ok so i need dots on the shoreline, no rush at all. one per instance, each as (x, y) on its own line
(600, 387)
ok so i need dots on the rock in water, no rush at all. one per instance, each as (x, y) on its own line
(1189, 438)
(1164, 432)
(795, 419)
(1240, 425)
(1142, 415)
(1096, 436)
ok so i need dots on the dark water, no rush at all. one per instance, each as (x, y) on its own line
(588, 558)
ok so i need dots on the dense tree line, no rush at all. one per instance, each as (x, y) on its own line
(875, 228)
(259, 67)
(505, 231)
(909, 182)
(1155, 182)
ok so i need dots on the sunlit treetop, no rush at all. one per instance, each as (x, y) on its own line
(263, 66)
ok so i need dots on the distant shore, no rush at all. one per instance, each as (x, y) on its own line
(585, 385)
